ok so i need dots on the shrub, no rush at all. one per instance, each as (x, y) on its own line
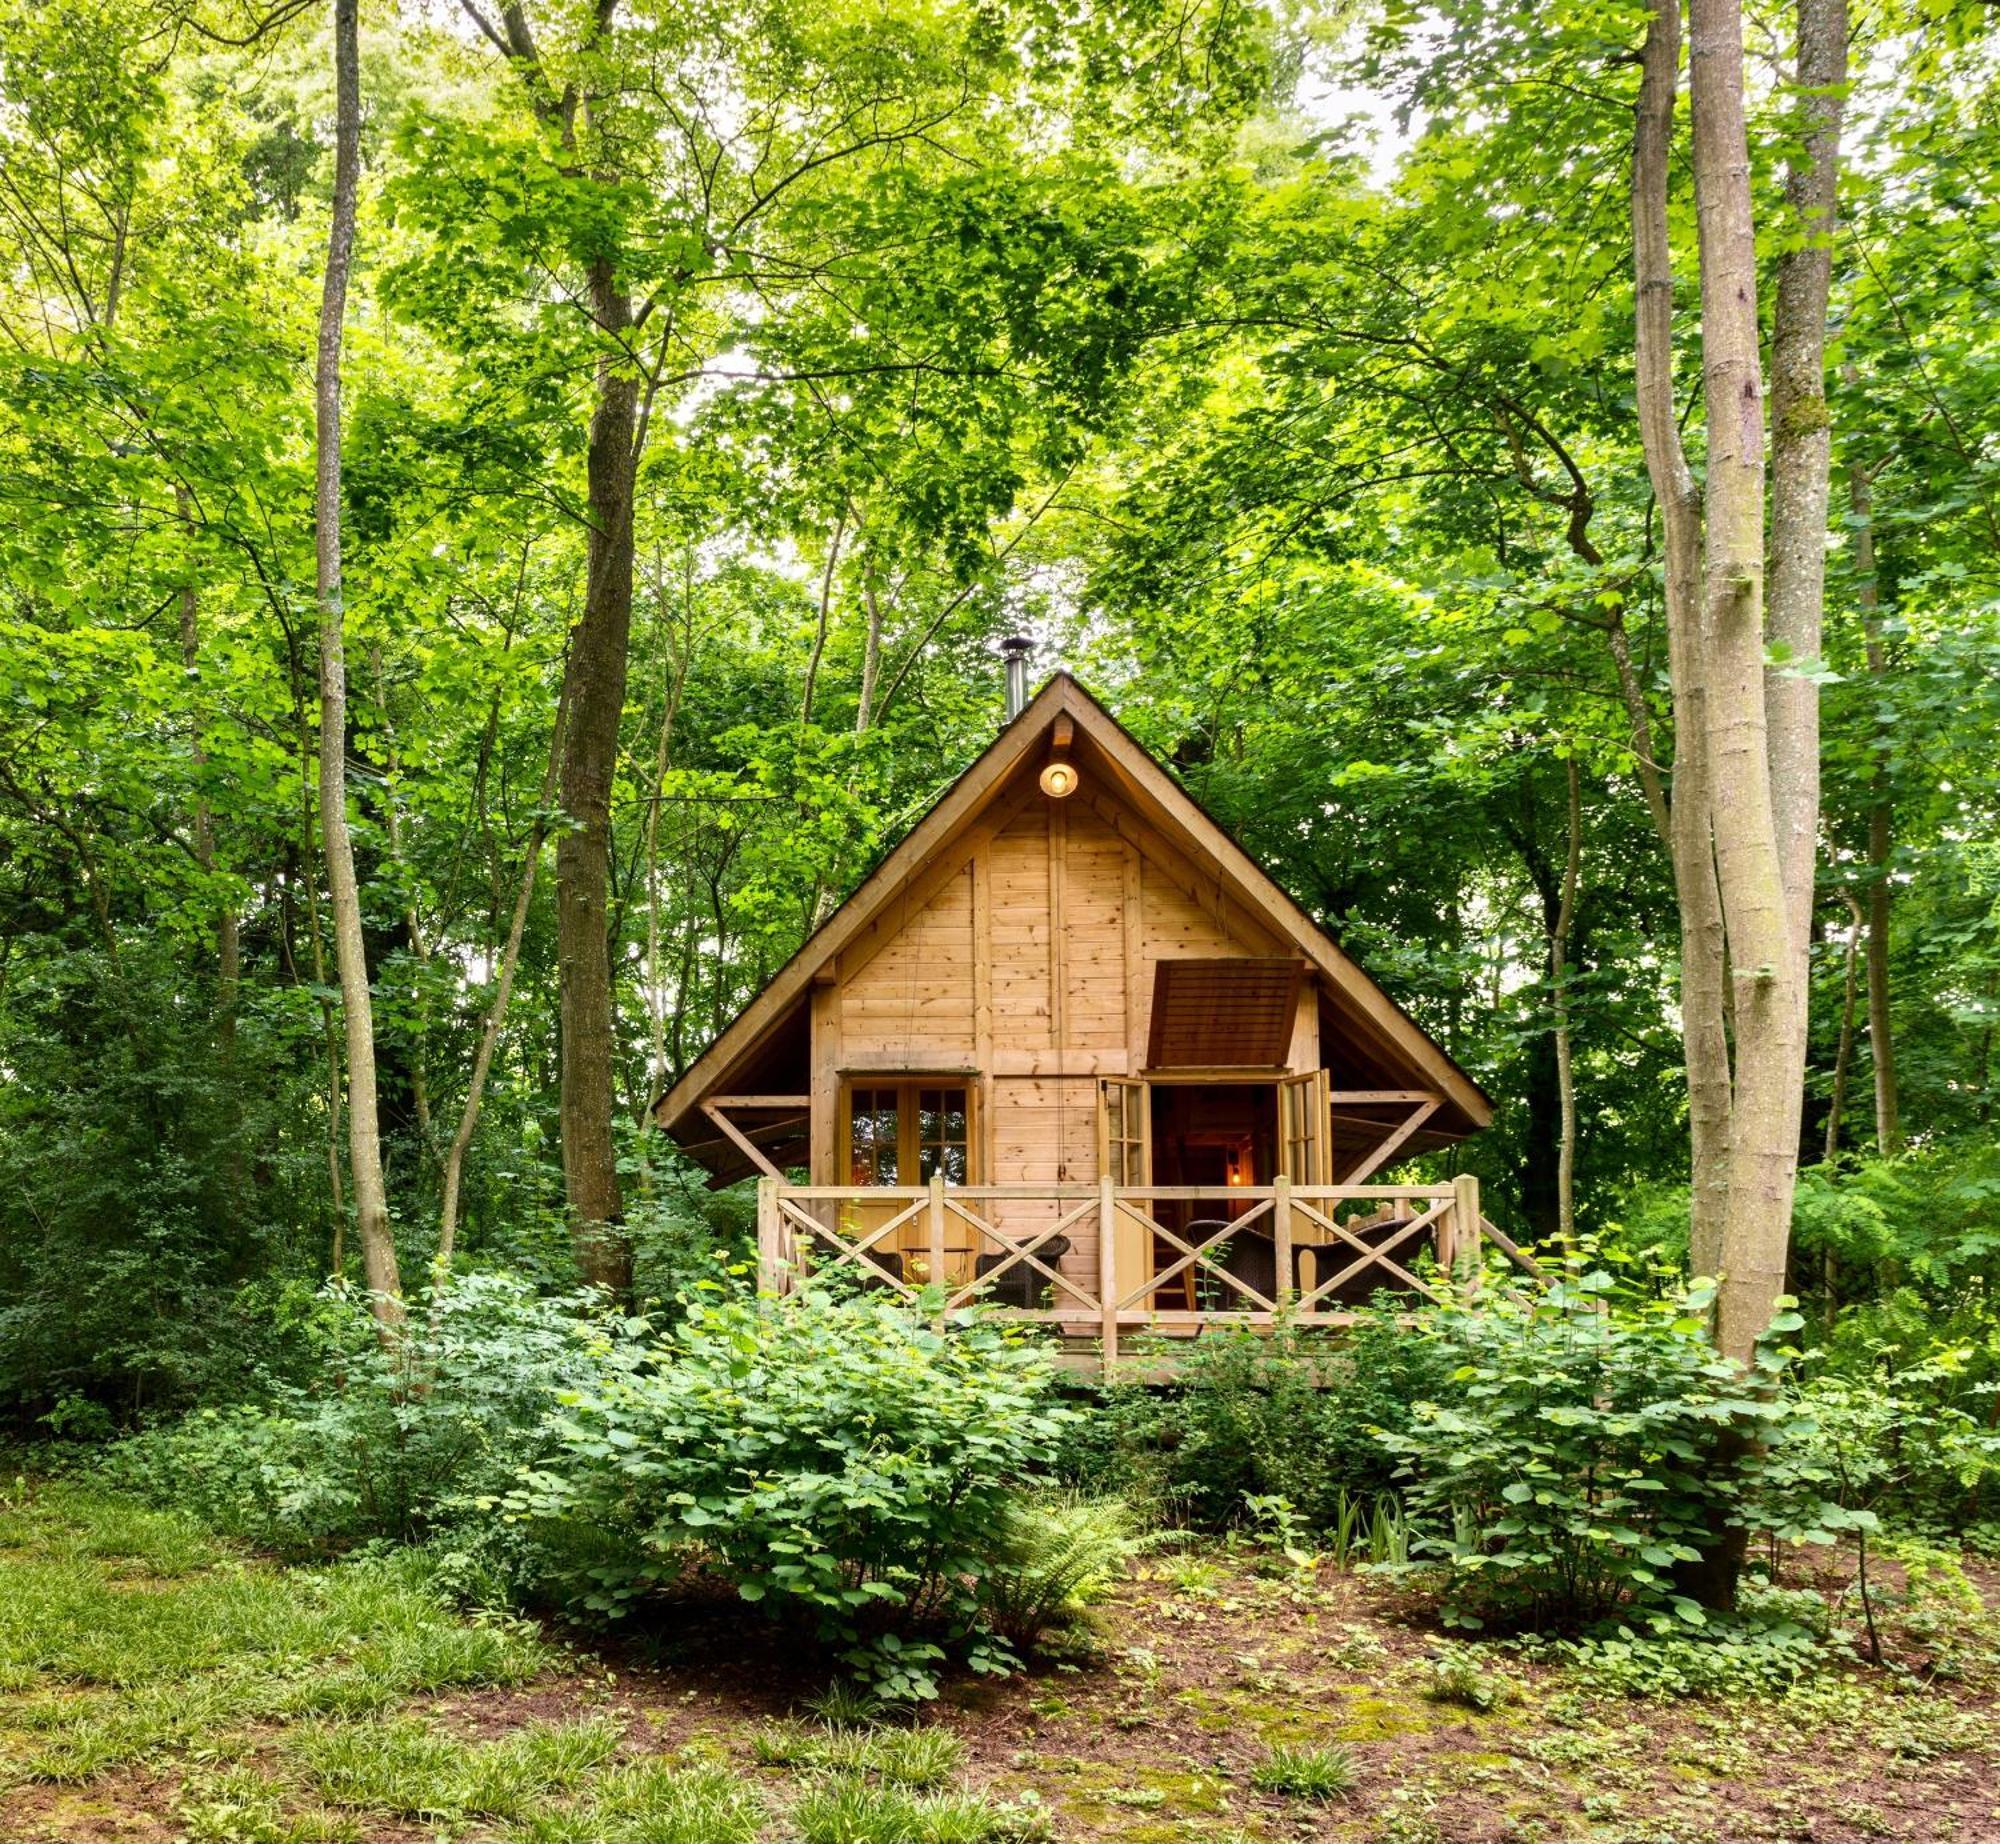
(835, 1458)
(1753, 1655)
(1053, 1556)
(397, 1443)
(1593, 1448)
(1256, 1416)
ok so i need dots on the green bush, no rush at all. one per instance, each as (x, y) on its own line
(395, 1443)
(1592, 1449)
(832, 1457)
(1262, 1416)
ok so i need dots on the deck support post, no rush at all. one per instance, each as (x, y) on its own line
(934, 1225)
(1281, 1243)
(770, 1239)
(1107, 1271)
(1458, 1231)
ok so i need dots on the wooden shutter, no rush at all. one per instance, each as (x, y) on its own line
(1303, 1111)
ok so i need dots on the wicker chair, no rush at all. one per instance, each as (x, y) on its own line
(1020, 1285)
(1358, 1289)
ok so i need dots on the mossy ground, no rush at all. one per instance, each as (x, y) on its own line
(156, 1685)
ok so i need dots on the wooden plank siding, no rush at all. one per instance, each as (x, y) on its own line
(1031, 961)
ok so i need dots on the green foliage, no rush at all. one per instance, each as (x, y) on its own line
(1592, 1448)
(1053, 1557)
(1250, 1416)
(399, 1442)
(1457, 1674)
(1298, 1771)
(829, 1457)
(1748, 1657)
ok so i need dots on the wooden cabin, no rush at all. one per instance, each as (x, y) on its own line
(1071, 1049)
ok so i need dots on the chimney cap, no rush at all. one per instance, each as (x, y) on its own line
(1016, 646)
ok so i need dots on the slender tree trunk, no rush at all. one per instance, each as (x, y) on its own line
(1881, 820)
(1559, 987)
(364, 1142)
(1843, 1057)
(1703, 951)
(594, 685)
(228, 938)
(656, 1003)
(496, 1011)
(871, 657)
(413, 920)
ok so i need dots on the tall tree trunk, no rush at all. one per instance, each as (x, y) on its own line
(1801, 442)
(1704, 1031)
(594, 685)
(1766, 1007)
(364, 1140)
(1559, 989)
(1881, 820)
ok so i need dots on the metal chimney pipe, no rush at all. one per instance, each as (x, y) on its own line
(1015, 650)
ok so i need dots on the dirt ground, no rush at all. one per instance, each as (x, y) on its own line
(1150, 1733)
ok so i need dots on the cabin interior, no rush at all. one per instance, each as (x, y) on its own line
(1067, 972)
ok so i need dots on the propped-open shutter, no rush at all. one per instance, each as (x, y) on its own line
(1303, 1111)
(1125, 1156)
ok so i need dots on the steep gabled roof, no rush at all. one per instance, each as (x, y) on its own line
(1100, 742)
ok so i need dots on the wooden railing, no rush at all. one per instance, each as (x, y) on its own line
(1102, 1261)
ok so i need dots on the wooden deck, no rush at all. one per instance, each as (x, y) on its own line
(1108, 1262)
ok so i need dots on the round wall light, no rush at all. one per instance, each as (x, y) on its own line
(1059, 780)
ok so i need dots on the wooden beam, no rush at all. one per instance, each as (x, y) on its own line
(759, 1101)
(1374, 1161)
(742, 1141)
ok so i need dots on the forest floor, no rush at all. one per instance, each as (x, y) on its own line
(157, 1685)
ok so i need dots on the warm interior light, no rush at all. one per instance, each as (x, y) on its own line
(1059, 780)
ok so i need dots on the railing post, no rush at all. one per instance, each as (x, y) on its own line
(1107, 1272)
(770, 1238)
(934, 1218)
(1281, 1242)
(1463, 1244)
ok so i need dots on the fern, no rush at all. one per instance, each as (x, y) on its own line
(1053, 1556)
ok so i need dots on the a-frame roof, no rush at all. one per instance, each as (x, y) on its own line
(1102, 743)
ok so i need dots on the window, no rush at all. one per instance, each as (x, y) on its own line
(874, 1137)
(943, 1144)
(907, 1132)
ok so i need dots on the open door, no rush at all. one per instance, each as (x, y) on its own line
(1125, 1156)
(1303, 1129)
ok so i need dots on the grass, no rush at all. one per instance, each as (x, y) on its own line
(915, 1758)
(131, 1635)
(403, 1765)
(158, 1683)
(844, 1809)
(1317, 1774)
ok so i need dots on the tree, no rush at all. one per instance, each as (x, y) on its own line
(364, 1138)
(1745, 787)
